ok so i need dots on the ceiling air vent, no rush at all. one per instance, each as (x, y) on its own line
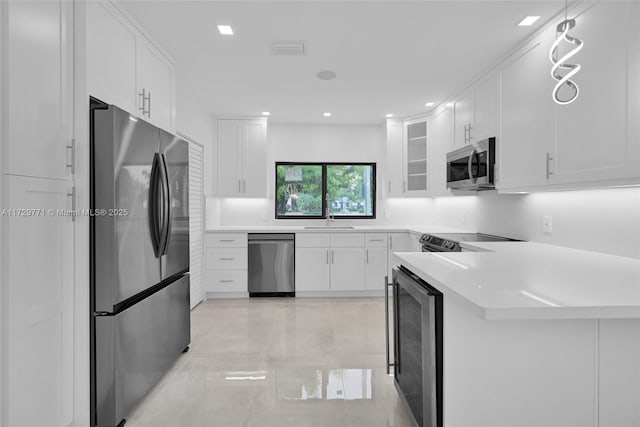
(290, 48)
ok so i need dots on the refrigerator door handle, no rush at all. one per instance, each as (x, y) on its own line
(154, 213)
(166, 206)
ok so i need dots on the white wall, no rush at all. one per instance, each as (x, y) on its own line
(197, 124)
(603, 220)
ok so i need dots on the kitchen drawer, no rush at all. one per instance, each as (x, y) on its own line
(231, 240)
(226, 281)
(313, 240)
(347, 240)
(227, 259)
(375, 240)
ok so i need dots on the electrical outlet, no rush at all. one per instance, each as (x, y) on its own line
(547, 226)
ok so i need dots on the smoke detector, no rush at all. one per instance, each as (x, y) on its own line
(289, 48)
(326, 75)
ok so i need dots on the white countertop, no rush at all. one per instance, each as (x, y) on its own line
(416, 229)
(527, 280)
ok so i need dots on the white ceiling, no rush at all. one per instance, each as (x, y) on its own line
(389, 56)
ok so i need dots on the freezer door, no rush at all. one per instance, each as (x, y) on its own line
(136, 347)
(125, 263)
(175, 151)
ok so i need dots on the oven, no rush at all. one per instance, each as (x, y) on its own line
(417, 347)
(472, 167)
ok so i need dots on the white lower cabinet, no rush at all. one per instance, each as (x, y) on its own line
(347, 269)
(375, 261)
(375, 268)
(313, 271)
(40, 288)
(226, 280)
(397, 242)
(340, 262)
(226, 264)
(619, 372)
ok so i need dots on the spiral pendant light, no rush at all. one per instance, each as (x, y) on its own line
(560, 65)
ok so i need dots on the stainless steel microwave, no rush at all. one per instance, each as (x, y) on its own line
(472, 167)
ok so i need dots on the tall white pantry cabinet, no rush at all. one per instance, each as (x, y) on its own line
(37, 375)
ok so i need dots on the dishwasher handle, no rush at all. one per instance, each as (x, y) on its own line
(267, 242)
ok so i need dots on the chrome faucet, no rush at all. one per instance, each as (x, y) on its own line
(327, 213)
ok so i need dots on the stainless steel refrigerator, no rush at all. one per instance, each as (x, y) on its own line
(139, 225)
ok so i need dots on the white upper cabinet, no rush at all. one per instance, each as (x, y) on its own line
(462, 119)
(114, 49)
(594, 137)
(126, 68)
(39, 107)
(406, 158)
(242, 166)
(440, 141)
(486, 105)
(591, 142)
(476, 113)
(415, 156)
(528, 115)
(158, 86)
(393, 186)
(254, 156)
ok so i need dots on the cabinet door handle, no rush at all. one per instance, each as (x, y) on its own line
(367, 256)
(389, 186)
(549, 158)
(226, 259)
(404, 186)
(327, 253)
(149, 105)
(390, 242)
(226, 240)
(73, 203)
(225, 281)
(376, 240)
(72, 164)
(142, 95)
(244, 186)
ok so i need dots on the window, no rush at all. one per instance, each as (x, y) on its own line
(308, 190)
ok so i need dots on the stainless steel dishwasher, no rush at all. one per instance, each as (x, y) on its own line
(271, 264)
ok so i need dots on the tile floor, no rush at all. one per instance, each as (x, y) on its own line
(276, 362)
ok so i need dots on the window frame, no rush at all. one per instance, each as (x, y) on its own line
(324, 165)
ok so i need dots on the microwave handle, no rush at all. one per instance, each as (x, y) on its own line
(470, 164)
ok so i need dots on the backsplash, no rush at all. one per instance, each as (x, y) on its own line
(603, 220)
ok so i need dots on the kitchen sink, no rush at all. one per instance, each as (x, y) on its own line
(329, 227)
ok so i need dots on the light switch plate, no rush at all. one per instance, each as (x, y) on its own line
(547, 225)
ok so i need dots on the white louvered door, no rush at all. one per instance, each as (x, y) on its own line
(196, 222)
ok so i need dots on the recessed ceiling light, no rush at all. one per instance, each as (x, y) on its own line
(225, 30)
(266, 113)
(327, 114)
(429, 104)
(528, 21)
(388, 116)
